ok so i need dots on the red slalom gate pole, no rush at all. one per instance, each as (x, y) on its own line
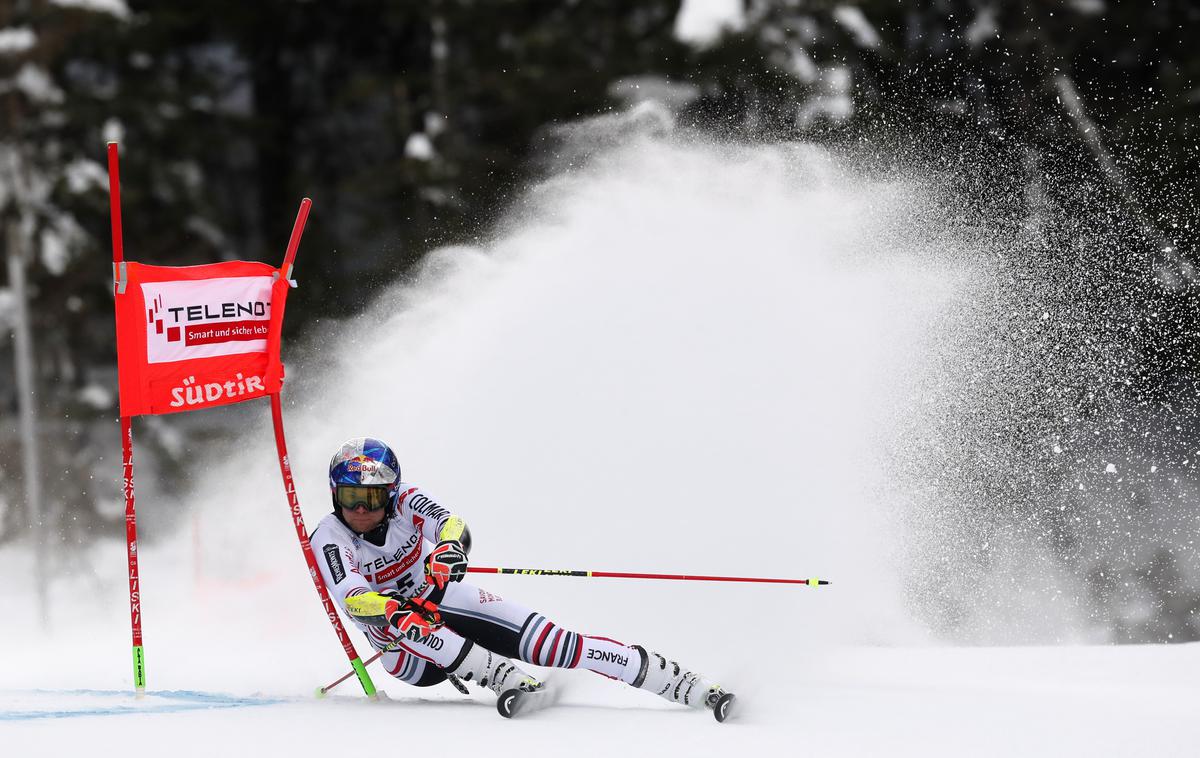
(631, 575)
(289, 257)
(289, 486)
(135, 594)
(285, 468)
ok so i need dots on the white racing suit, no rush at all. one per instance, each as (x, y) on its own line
(352, 565)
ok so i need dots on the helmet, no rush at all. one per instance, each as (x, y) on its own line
(365, 471)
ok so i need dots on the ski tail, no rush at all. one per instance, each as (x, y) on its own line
(516, 702)
(724, 707)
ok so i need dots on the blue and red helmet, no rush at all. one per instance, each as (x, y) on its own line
(364, 472)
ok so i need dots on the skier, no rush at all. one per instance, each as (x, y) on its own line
(395, 561)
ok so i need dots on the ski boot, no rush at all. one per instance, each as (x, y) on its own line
(493, 671)
(669, 680)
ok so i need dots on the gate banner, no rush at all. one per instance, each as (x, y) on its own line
(192, 337)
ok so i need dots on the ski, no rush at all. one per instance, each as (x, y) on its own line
(514, 702)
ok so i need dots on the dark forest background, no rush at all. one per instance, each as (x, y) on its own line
(415, 125)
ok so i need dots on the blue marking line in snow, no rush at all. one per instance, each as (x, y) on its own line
(171, 701)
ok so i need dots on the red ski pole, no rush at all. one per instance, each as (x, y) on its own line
(630, 575)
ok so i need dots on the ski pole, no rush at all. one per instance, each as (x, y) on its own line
(458, 685)
(325, 690)
(595, 574)
(628, 575)
(393, 645)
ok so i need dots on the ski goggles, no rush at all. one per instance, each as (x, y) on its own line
(351, 496)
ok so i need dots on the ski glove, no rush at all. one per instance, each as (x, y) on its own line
(447, 563)
(414, 617)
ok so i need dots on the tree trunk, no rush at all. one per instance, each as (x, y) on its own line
(17, 239)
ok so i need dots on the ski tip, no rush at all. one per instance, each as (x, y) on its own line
(507, 703)
(721, 710)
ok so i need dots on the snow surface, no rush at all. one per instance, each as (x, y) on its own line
(851, 702)
(673, 358)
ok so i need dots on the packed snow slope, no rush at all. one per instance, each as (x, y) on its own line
(675, 357)
(1061, 702)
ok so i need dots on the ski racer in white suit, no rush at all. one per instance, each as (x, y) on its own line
(394, 560)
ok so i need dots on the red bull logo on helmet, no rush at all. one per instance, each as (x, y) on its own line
(370, 470)
(363, 464)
